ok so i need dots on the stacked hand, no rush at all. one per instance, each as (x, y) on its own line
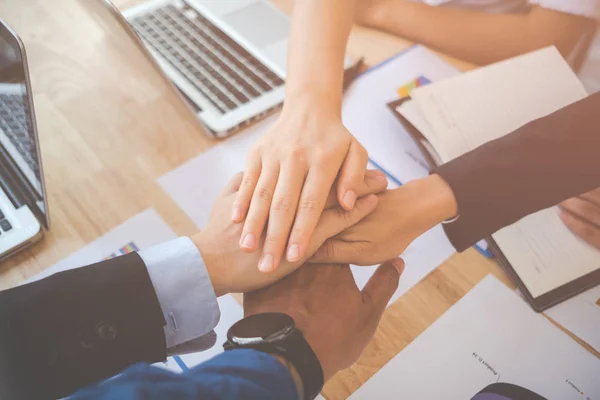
(582, 216)
(401, 216)
(288, 176)
(232, 270)
(335, 317)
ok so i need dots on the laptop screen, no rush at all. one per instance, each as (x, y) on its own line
(18, 137)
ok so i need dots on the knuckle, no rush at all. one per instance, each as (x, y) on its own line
(309, 205)
(247, 182)
(297, 154)
(281, 204)
(329, 250)
(271, 242)
(264, 194)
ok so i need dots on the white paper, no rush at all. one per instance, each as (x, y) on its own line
(581, 316)
(469, 110)
(368, 118)
(144, 230)
(423, 256)
(489, 336)
(195, 185)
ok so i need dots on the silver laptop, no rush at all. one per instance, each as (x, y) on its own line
(228, 57)
(23, 209)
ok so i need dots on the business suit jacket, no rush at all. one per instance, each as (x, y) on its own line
(77, 327)
(535, 167)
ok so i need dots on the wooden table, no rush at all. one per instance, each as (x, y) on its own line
(110, 125)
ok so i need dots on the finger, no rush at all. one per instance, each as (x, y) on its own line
(335, 250)
(336, 220)
(259, 209)
(584, 209)
(244, 195)
(375, 182)
(586, 231)
(382, 286)
(233, 185)
(593, 196)
(281, 216)
(352, 175)
(310, 207)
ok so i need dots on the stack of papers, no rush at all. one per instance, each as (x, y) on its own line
(459, 114)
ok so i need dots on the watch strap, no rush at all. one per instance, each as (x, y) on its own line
(298, 352)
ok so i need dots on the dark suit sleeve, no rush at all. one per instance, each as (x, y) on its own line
(77, 327)
(537, 166)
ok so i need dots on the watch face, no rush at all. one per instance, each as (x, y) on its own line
(269, 327)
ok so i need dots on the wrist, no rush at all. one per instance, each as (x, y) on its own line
(213, 263)
(436, 199)
(294, 374)
(313, 98)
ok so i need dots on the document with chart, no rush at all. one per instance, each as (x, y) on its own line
(491, 335)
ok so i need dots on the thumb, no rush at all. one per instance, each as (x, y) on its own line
(352, 175)
(382, 286)
(336, 220)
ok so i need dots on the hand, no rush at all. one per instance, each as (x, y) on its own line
(582, 216)
(368, 12)
(401, 216)
(335, 317)
(232, 270)
(288, 176)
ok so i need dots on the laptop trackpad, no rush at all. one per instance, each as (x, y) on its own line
(259, 23)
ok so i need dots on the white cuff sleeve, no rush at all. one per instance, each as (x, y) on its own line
(184, 290)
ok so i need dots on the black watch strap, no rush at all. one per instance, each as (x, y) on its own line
(298, 352)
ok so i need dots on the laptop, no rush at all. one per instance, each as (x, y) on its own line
(227, 57)
(23, 208)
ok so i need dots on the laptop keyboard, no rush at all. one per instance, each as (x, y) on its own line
(222, 70)
(5, 226)
(13, 121)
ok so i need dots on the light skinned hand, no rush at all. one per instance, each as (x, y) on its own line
(233, 271)
(287, 179)
(582, 216)
(337, 320)
(401, 216)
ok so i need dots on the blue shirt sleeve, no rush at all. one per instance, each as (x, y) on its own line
(235, 374)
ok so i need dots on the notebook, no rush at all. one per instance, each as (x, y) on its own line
(452, 117)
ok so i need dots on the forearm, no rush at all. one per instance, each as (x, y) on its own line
(480, 37)
(320, 30)
(537, 166)
(247, 374)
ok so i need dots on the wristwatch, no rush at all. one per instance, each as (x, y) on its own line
(276, 333)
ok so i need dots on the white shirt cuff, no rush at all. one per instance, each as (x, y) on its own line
(184, 291)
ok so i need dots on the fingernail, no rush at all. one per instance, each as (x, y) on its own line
(350, 199)
(236, 215)
(249, 241)
(293, 253)
(398, 264)
(266, 264)
(380, 177)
